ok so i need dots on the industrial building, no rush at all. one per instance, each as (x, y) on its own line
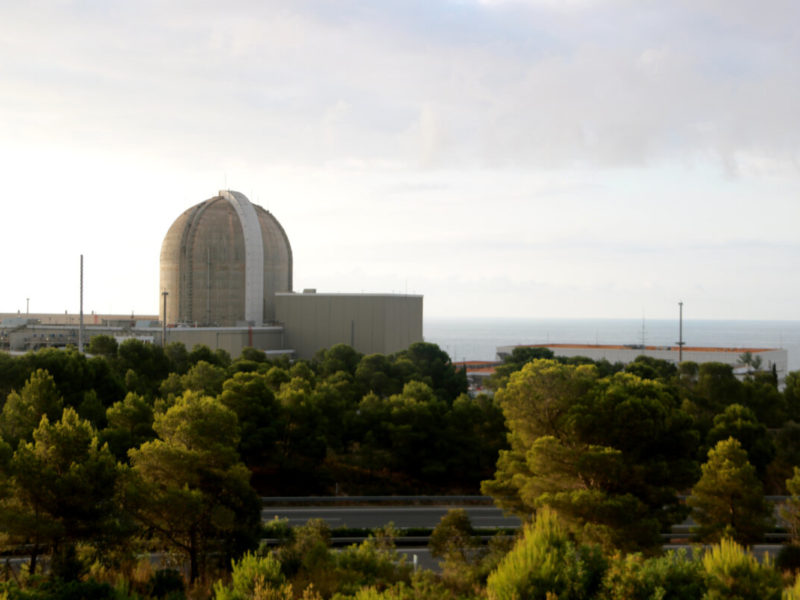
(226, 282)
(628, 353)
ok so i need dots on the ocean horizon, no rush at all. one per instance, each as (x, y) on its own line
(478, 338)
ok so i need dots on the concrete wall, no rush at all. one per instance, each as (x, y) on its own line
(371, 323)
(230, 339)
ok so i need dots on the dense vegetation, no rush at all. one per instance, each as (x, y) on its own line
(134, 448)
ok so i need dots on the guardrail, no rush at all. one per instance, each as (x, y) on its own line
(324, 500)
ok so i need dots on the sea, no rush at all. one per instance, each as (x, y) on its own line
(478, 339)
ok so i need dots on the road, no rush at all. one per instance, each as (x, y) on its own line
(370, 517)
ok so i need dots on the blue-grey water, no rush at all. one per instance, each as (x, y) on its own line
(477, 339)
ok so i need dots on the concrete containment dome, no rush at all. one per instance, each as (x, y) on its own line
(222, 261)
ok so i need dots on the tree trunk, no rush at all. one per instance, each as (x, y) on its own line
(193, 570)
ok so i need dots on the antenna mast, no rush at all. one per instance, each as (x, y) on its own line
(164, 321)
(680, 332)
(80, 318)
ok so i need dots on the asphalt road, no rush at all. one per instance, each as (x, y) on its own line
(370, 517)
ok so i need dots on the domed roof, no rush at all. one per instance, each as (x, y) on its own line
(222, 261)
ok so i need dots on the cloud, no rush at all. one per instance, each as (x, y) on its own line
(606, 83)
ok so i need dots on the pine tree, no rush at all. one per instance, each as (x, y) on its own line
(728, 500)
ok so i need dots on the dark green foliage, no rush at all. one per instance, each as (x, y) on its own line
(792, 395)
(307, 548)
(62, 490)
(23, 411)
(669, 577)
(787, 454)
(178, 357)
(716, 388)
(250, 397)
(11, 375)
(130, 424)
(431, 365)
(188, 486)
(314, 432)
(453, 539)
(56, 589)
(92, 410)
(788, 558)
(688, 373)
(222, 358)
(728, 500)
(417, 434)
(203, 352)
(761, 395)
(302, 370)
(306, 558)
(204, 377)
(473, 432)
(65, 564)
(277, 376)
(103, 345)
(253, 354)
(648, 367)
(466, 562)
(142, 365)
(73, 373)
(301, 443)
(790, 511)
(241, 365)
(375, 373)
(166, 583)
(740, 423)
(609, 455)
(340, 357)
(519, 357)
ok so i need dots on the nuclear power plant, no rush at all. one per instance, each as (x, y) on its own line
(226, 282)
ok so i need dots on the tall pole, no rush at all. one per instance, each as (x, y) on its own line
(80, 318)
(680, 331)
(164, 322)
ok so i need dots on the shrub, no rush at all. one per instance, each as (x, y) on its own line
(369, 564)
(790, 593)
(546, 563)
(669, 577)
(306, 549)
(735, 573)
(56, 589)
(250, 573)
(424, 585)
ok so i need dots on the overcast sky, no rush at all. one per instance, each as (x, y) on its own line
(539, 158)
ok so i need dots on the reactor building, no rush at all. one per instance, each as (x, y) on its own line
(222, 262)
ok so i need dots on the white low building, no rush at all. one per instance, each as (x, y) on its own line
(625, 354)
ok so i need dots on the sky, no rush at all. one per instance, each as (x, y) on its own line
(504, 158)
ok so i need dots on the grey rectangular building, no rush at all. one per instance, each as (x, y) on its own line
(370, 323)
